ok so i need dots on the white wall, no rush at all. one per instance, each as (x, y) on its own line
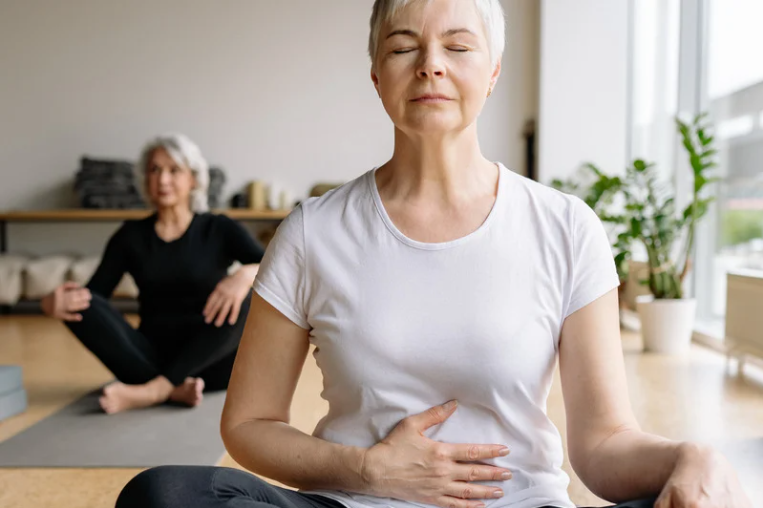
(583, 86)
(271, 90)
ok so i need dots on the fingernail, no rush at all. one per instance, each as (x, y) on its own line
(505, 476)
(450, 405)
(504, 451)
(497, 493)
(480, 505)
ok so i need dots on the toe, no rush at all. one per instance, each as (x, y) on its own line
(111, 389)
(106, 405)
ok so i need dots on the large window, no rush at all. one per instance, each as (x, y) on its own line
(689, 56)
(654, 81)
(733, 94)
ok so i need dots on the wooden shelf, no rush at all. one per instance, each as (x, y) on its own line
(88, 214)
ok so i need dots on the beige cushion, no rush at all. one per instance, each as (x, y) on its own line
(126, 287)
(84, 268)
(43, 275)
(11, 271)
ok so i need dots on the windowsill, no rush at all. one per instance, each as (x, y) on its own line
(711, 333)
(715, 328)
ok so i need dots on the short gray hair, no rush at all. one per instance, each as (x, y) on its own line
(185, 152)
(491, 11)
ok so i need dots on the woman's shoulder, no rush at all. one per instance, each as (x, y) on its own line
(542, 197)
(132, 227)
(339, 198)
(326, 215)
(212, 224)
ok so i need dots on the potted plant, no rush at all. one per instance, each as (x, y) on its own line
(649, 217)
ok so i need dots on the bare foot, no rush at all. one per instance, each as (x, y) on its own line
(118, 397)
(190, 393)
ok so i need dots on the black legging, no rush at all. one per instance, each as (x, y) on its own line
(219, 487)
(138, 356)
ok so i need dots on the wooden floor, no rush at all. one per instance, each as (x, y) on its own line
(694, 397)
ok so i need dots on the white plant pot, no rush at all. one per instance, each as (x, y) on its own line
(666, 325)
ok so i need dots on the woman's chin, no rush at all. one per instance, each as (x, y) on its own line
(165, 202)
(432, 124)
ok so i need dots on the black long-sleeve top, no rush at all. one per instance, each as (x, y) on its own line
(174, 278)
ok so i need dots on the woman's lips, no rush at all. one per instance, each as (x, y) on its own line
(431, 99)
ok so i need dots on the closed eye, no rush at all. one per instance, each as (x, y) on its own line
(402, 51)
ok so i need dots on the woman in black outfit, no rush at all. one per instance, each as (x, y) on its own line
(192, 312)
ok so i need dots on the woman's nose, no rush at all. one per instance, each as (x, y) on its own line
(164, 177)
(431, 65)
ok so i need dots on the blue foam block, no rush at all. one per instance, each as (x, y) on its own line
(12, 403)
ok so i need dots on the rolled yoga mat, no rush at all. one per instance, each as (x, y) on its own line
(81, 435)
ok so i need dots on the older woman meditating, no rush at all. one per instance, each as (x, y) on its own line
(439, 289)
(192, 312)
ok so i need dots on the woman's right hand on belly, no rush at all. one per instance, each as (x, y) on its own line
(407, 465)
(66, 302)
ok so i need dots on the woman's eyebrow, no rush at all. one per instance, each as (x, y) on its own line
(413, 33)
(407, 32)
(454, 31)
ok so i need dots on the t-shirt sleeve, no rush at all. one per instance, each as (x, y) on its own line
(593, 271)
(281, 279)
(240, 244)
(113, 264)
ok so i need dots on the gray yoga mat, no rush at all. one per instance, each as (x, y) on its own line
(81, 435)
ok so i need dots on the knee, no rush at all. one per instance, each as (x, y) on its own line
(98, 305)
(161, 487)
(231, 483)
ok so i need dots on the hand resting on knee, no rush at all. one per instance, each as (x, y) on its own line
(66, 302)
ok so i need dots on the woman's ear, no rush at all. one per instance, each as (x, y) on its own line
(496, 74)
(375, 80)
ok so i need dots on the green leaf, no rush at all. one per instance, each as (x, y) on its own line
(636, 228)
(696, 163)
(688, 211)
(699, 182)
(709, 153)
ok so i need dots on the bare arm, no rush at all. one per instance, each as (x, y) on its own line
(249, 272)
(608, 450)
(255, 422)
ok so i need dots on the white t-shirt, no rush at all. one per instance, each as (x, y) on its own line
(401, 326)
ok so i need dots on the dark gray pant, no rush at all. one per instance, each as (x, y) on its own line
(138, 356)
(218, 487)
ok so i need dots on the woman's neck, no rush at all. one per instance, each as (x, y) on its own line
(174, 216)
(448, 170)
